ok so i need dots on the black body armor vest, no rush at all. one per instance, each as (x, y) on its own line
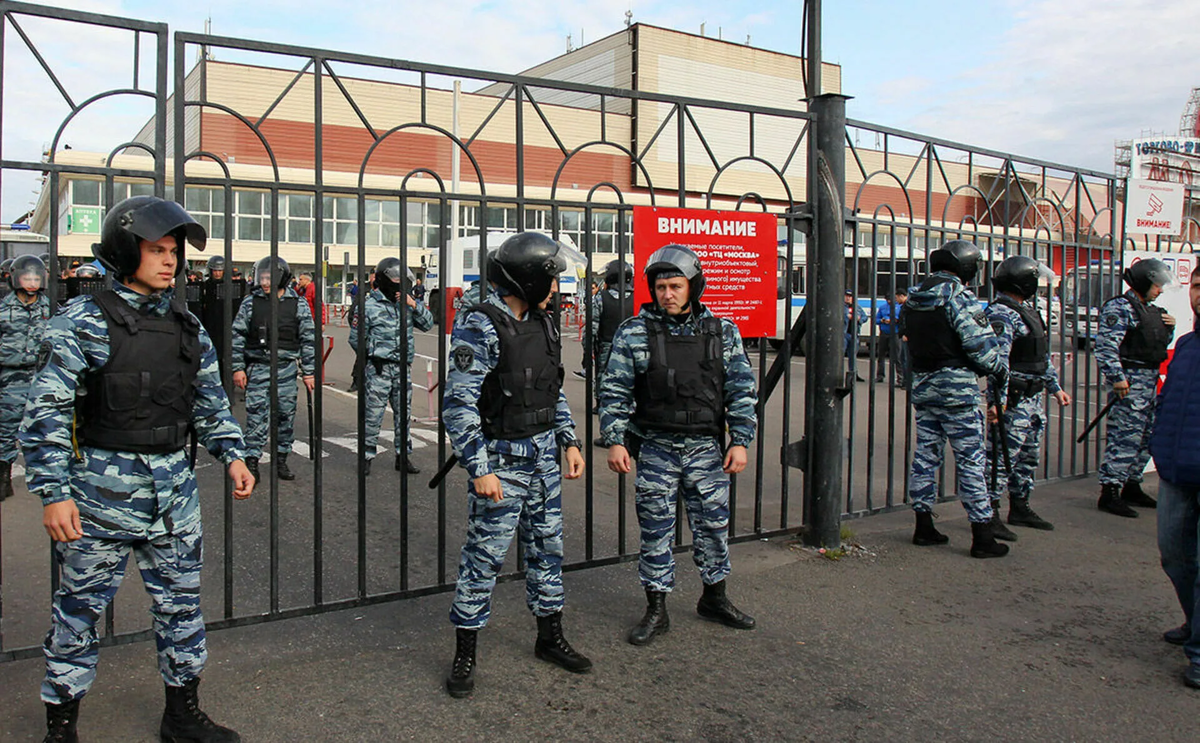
(519, 398)
(1028, 355)
(613, 312)
(932, 341)
(141, 399)
(259, 339)
(683, 389)
(1145, 345)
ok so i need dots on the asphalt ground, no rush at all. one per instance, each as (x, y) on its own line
(1058, 641)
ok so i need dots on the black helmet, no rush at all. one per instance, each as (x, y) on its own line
(27, 266)
(1021, 275)
(613, 271)
(215, 263)
(6, 265)
(392, 276)
(1146, 273)
(144, 218)
(262, 269)
(527, 263)
(87, 271)
(959, 257)
(670, 261)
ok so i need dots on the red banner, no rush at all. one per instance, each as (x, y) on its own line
(737, 251)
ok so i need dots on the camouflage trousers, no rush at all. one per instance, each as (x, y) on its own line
(602, 354)
(693, 473)
(533, 501)
(1025, 424)
(1130, 424)
(92, 569)
(258, 407)
(14, 392)
(385, 385)
(962, 427)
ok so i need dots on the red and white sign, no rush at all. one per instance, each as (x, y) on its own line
(736, 250)
(1153, 208)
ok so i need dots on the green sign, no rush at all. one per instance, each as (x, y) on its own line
(84, 220)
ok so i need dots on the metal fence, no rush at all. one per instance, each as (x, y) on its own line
(337, 538)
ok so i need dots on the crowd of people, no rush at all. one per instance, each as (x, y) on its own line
(102, 397)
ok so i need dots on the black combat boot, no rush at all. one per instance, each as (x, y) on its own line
(926, 535)
(552, 647)
(1132, 494)
(367, 467)
(983, 541)
(6, 490)
(60, 722)
(184, 722)
(999, 530)
(461, 681)
(1020, 514)
(715, 606)
(1111, 501)
(281, 468)
(405, 464)
(654, 622)
(252, 465)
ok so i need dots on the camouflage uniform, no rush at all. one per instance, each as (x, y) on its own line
(257, 365)
(1131, 420)
(946, 401)
(1024, 420)
(146, 503)
(384, 377)
(672, 463)
(529, 470)
(603, 349)
(21, 329)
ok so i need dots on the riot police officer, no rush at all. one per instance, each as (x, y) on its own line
(150, 375)
(23, 317)
(1131, 344)
(1025, 352)
(507, 418)
(950, 343)
(214, 315)
(610, 307)
(677, 377)
(385, 380)
(252, 361)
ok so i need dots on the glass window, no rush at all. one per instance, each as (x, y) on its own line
(251, 224)
(207, 206)
(85, 193)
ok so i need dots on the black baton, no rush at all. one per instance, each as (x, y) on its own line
(312, 454)
(1001, 431)
(445, 470)
(1112, 398)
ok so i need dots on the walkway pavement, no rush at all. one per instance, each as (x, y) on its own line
(1058, 641)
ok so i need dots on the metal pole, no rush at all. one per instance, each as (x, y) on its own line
(826, 197)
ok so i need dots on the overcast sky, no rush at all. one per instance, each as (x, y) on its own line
(1056, 80)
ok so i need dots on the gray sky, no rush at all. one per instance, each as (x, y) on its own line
(1056, 80)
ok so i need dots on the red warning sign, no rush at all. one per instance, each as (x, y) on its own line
(737, 251)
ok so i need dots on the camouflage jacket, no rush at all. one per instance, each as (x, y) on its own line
(21, 329)
(241, 332)
(955, 386)
(1008, 326)
(629, 357)
(383, 328)
(475, 350)
(76, 343)
(1116, 319)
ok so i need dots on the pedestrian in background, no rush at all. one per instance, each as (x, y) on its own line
(855, 316)
(23, 317)
(252, 362)
(1131, 344)
(891, 345)
(1177, 459)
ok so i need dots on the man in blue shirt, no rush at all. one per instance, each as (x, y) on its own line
(891, 346)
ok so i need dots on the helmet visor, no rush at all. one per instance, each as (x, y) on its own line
(159, 218)
(1159, 274)
(568, 259)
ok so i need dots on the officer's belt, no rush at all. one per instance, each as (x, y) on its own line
(379, 363)
(159, 440)
(1134, 364)
(532, 418)
(1019, 389)
(685, 418)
